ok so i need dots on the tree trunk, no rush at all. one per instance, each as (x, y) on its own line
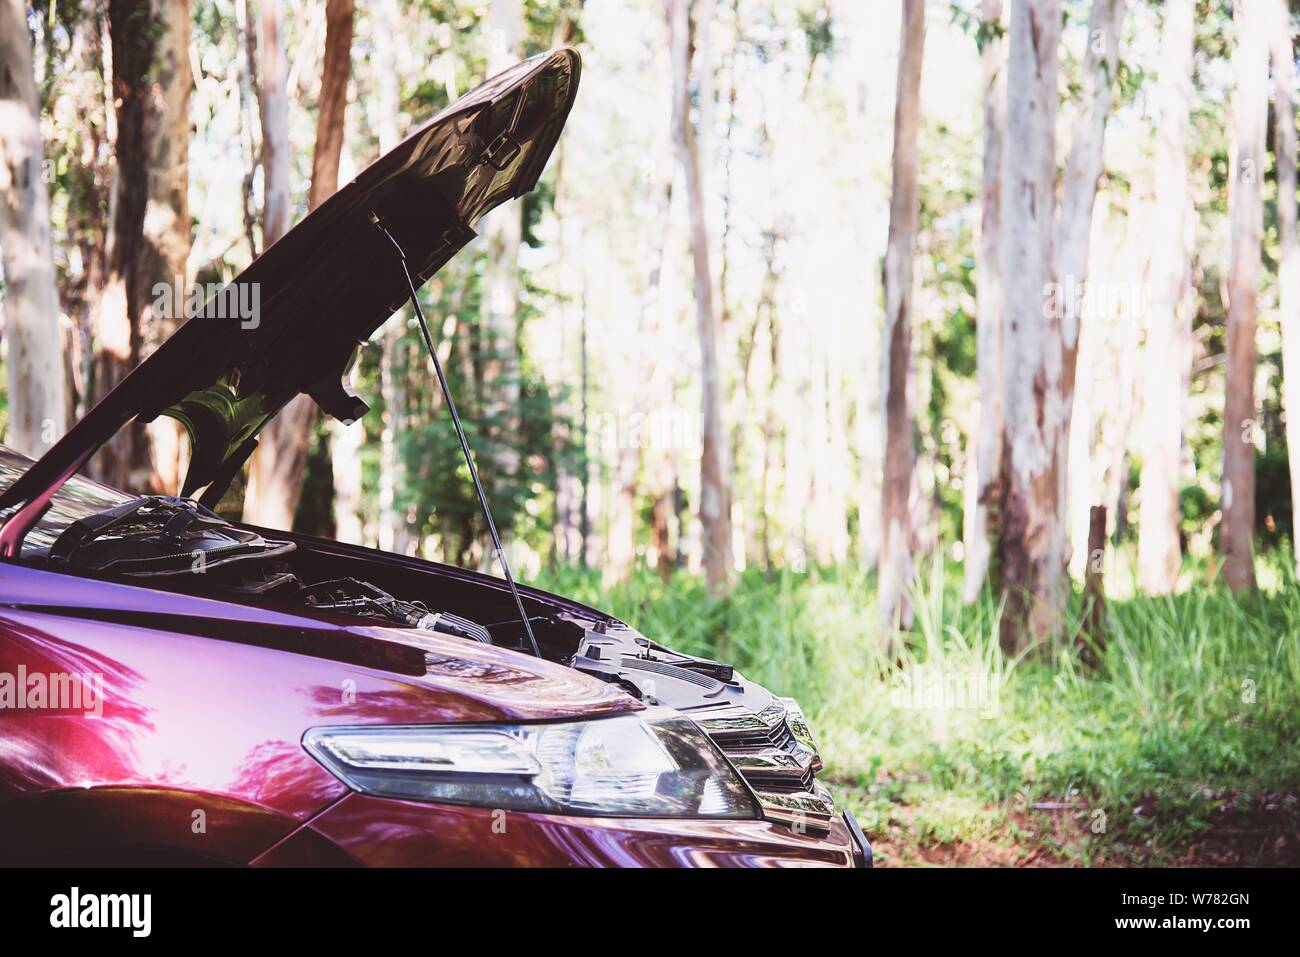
(393, 535)
(80, 293)
(1092, 639)
(1288, 278)
(982, 481)
(620, 510)
(346, 439)
(1169, 334)
(585, 538)
(124, 460)
(246, 68)
(900, 455)
(335, 72)
(642, 364)
(37, 384)
(1083, 168)
(771, 434)
(715, 498)
(273, 104)
(502, 234)
(864, 34)
(1250, 106)
(1031, 523)
(661, 513)
(166, 225)
(568, 210)
(275, 479)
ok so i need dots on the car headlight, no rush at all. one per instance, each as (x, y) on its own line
(655, 763)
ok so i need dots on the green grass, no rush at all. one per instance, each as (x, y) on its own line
(1182, 745)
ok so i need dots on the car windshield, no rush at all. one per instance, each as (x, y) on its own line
(76, 499)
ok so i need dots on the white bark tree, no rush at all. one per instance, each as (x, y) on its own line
(715, 495)
(1031, 523)
(1288, 273)
(1167, 361)
(981, 481)
(1083, 169)
(37, 385)
(1246, 212)
(273, 105)
(900, 453)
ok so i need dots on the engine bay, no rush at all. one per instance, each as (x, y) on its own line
(177, 544)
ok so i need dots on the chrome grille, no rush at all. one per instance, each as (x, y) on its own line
(780, 784)
(778, 736)
(773, 750)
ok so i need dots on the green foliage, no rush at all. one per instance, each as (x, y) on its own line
(432, 483)
(315, 514)
(967, 17)
(1272, 497)
(817, 27)
(548, 20)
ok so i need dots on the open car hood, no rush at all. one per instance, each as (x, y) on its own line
(323, 288)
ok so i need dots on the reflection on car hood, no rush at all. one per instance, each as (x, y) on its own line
(326, 285)
(400, 675)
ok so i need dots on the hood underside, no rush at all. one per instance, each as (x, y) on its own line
(324, 287)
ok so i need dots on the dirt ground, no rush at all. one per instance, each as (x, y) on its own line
(1060, 837)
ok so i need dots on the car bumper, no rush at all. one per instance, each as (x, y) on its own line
(863, 857)
(371, 831)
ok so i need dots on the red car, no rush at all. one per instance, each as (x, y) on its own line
(179, 689)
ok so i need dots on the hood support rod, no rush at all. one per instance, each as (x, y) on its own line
(460, 434)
